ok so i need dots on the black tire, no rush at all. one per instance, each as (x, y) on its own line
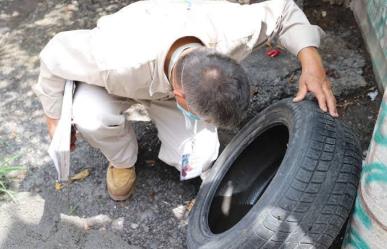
(288, 179)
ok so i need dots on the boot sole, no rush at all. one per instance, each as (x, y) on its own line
(121, 197)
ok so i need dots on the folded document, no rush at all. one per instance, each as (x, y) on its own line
(59, 149)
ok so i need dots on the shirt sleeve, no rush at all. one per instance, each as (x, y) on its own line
(49, 90)
(68, 55)
(294, 30)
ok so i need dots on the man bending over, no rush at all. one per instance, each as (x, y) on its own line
(181, 61)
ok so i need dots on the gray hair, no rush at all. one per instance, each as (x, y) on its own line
(215, 86)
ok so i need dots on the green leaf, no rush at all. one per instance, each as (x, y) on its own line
(8, 169)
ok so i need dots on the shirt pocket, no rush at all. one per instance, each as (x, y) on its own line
(112, 125)
(130, 82)
(239, 45)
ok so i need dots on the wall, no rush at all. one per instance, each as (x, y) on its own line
(371, 16)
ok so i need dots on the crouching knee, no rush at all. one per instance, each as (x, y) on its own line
(94, 126)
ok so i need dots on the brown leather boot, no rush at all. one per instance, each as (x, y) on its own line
(120, 182)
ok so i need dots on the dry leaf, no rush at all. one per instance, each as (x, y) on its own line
(150, 163)
(58, 186)
(80, 175)
(291, 78)
(190, 204)
(152, 195)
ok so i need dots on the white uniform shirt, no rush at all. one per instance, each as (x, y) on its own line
(125, 53)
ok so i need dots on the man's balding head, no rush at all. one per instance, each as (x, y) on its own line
(215, 86)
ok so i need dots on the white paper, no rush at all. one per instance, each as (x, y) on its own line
(59, 149)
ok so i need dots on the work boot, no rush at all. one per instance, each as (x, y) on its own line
(120, 182)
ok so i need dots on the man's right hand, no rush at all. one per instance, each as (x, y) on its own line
(52, 123)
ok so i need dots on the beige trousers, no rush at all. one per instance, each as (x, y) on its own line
(100, 119)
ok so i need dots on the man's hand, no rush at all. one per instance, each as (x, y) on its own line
(313, 79)
(52, 124)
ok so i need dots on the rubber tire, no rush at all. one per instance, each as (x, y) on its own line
(307, 201)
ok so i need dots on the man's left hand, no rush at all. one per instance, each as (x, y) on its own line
(314, 80)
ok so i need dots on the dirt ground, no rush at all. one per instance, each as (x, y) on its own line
(82, 215)
(357, 108)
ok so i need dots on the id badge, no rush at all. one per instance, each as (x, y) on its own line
(190, 166)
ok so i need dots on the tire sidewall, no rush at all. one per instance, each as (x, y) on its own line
(298, 119)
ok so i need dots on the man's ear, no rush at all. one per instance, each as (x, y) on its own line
(179, 93)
